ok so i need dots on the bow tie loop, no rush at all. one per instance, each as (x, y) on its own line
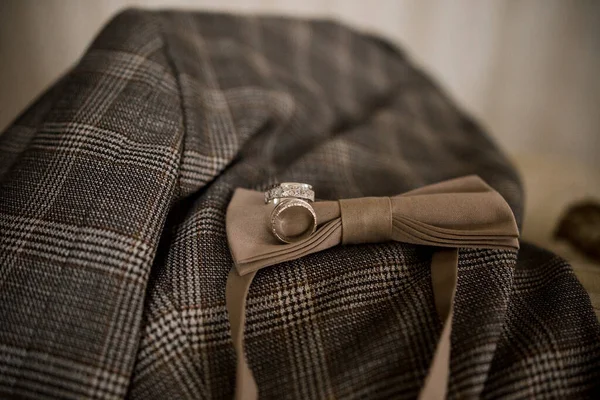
(366, 220)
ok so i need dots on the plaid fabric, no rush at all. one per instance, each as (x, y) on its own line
(113, 255)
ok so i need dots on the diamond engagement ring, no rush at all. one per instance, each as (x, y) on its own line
(289, 190)
(292, 218)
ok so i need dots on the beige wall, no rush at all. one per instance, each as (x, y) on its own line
(527, 68)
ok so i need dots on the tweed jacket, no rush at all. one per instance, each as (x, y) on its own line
(113, 254)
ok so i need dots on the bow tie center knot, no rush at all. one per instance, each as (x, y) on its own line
(366, 220)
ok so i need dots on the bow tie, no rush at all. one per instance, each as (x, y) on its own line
(462, 212)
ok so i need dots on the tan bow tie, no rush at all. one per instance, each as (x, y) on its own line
(462, 212)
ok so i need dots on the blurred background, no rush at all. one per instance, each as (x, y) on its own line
(527, 69)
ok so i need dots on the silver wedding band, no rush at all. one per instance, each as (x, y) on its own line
(291, 197)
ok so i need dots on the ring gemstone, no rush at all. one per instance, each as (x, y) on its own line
(290, 190)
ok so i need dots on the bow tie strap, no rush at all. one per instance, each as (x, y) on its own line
(236, 293)
(463, 212)
(444, 271)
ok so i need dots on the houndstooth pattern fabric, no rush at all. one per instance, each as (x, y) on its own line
(113, 253)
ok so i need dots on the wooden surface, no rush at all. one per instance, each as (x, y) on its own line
(551, 185)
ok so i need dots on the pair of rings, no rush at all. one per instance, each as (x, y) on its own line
(293, 217)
